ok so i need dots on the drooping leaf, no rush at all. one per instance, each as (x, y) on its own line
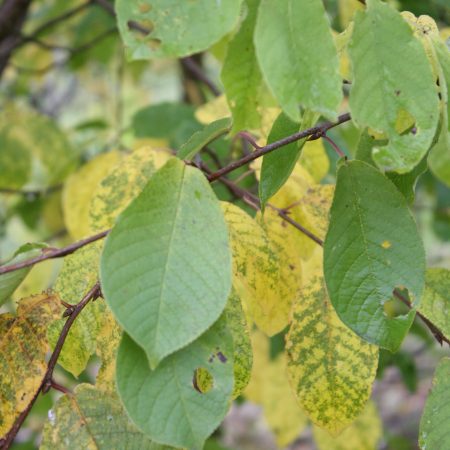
(278, 165)
(241, 75)
(237, 325)
(435, 303)
(433, 431)
(78, 191)
(123, 184)
(372, 247)
(203, 137)
(266, 278)
(89, 418)
(331, 369)
(10, 281)
(23, 346)
(174, 29)
(165, 270)
(364, 434)
(296, 71)
(165, 403)
(78, 274)
(384, 95)
(174, 122)
(269, 387)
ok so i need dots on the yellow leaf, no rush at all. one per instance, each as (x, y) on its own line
(123, 183)
(78, 191)
(315, 160)
(330, 368)
(23, 346)
(108, 340)
(269, 388)
(364, 434)
(264, 277)
(347, 10)
(215, 109)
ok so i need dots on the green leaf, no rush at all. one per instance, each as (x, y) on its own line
(89, 418)
(433, 431)
(435, 304)
(331, 369)
(173, 121)
(241, 75)
(10, 281)
(36, 146)
(203, 137)
(384, 94)
(164, 403)
(175, 29)
(166, 265)
(439, 157)
(371, 248)
(278, 165)
(296, 71)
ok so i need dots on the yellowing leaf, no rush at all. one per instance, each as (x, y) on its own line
(270, 388)
(108, 340)
(23, 346)
(78, 274)
(237, 325)
(330, 368)
(123, 183)
(90, 419)
(78, 191)
(364, 434)
(314, 159)
(263, 275)
(347, 9)
(215, 109)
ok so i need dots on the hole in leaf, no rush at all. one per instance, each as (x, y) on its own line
(202, 380)
(404, 122)
(398, 304)
(154, 43)
(140, 29)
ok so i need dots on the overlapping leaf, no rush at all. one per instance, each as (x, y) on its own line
(166, 265)
(330, 368)
(265, 276)
(296, 71)
(372, 247)
(384, 94)
(173, 28)
(165, 403)
(79, 189)
(23, 346)
(89, 418)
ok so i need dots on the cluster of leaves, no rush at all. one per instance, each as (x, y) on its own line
(195, 283)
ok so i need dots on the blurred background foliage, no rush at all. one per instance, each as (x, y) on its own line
(68, 94)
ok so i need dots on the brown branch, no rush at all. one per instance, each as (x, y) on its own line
(47, 380)
(49, 253)
(336, 148)
(195, 69)
(314, 131)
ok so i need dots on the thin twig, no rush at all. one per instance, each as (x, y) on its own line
(336, 148)
(191, 65)
(53, 253)
(47, 380)
(277, 144)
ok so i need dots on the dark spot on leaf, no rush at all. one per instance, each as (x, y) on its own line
(222, 357)
(397, 92)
